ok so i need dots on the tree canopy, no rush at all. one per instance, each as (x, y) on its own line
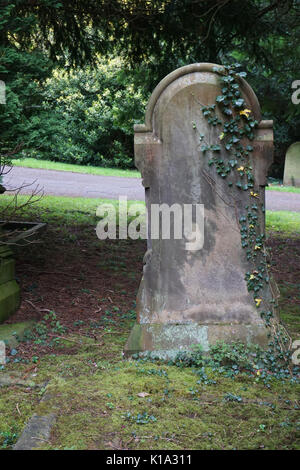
(152, 38)
(73, 30)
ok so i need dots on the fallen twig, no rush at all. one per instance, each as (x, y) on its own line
(17, 406)
(74, 341)
(37, 308)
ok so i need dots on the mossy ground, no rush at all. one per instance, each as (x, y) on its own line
(96, 397)
(95, 392)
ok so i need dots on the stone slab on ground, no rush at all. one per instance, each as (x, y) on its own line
(15, 379)
(36, 432)
(38, 429)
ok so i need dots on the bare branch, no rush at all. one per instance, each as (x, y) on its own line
(12, 207)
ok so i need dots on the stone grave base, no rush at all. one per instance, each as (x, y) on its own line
(167, 340)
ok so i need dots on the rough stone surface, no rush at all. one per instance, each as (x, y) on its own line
(9, 299)
(166, 340)
(38, 429)
(36, 432)
(7, 380)
(292, 166)
(195, 297)
(9, 289)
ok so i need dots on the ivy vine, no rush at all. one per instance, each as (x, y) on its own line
(231, 158)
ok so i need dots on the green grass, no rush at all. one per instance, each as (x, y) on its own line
(79, 210)
(65, 210)
(283, 221)
(284, 189)
(48, 165)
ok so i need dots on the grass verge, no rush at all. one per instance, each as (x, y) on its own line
(92, 170)
(79, 210)
(284, 189)
(284, 222)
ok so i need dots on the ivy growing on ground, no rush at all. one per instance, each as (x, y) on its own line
(234, 360)
(236, 131)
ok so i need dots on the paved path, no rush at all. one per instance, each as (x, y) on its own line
(63, 183)
(67, 183)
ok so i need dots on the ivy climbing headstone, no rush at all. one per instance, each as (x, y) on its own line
(204, 143)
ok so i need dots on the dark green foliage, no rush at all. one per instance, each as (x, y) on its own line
(157, 31)
(23, 71)
(87, 117)
(7, 439)
(153, 38)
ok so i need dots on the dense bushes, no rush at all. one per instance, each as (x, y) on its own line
(23, 70)
(88, 117)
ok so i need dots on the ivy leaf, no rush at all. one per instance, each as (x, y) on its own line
(216, 148)
(239, 103)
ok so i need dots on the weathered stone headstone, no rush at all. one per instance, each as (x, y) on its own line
(9, 288)
(189, 297)
(292, 166)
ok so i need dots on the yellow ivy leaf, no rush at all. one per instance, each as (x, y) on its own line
(245, 112)
(258, 302)
(221, 136)
(241, 168)
(257, 247)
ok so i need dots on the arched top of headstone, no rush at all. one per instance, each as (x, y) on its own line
(295, 147)
(208, 75)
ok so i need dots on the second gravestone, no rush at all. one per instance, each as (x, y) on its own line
(292, 166)
(195, 150)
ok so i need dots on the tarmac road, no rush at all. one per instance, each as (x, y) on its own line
(65, 183)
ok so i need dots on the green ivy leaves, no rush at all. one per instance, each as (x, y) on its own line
(236, 129)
